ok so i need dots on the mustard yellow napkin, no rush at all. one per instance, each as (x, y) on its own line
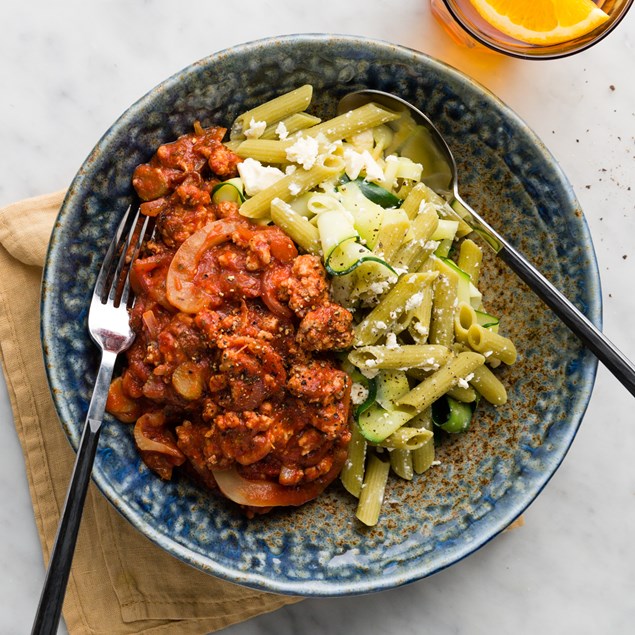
(120, 582)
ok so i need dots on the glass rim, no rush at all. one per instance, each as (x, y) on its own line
(537, 56)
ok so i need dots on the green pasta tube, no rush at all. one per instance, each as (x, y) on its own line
(422, 420)
(420, 316)
(393, 230)
(273, 110)
(405, 356)
(352, 122)
(489, 386)
(423, 457)
(352, 475)
(407, 438)
(437, 384)
(293, 123)
(465, 395)
(412, 203)
(378, 322)
(443, 306)
(292, 185)
(464, 317)
(487, 342)
(401, 463)
(297, 227)
(372, 494)
(470, 258)
(264, 150)
(445, 211)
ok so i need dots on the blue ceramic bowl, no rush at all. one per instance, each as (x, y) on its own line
(488, 475)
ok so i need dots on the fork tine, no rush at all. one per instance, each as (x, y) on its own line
(126, 287)
(116, 281)
(110, 256)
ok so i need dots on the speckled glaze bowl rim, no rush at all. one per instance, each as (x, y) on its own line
(418, 570)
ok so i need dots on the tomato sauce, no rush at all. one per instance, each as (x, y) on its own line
(231, 377)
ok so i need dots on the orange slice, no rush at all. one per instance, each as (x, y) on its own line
(542, 21)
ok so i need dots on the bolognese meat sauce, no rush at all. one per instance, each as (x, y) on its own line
(231, 374)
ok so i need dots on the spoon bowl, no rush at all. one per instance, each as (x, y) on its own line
(443, 178)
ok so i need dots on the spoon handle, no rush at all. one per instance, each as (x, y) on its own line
(621, 367)
(579, 324)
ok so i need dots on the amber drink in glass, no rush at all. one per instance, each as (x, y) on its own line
(466, 26)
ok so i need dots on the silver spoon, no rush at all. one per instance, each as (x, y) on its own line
(446, 183)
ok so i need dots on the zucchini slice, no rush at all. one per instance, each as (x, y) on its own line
(230, 190)
(348, 255)
(451, 415)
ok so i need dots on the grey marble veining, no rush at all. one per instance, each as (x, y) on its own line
(69, 69)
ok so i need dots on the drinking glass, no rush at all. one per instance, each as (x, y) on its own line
(464, 24)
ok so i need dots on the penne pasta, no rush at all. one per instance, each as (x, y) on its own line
(352, 475)
(264, 150)
(464, 317)
(379, 321)
(288, 187)
(460, 393)
(489, 386)
(437, 384)
(488, 343)
(401, 463)
(289, 125)
(353, 122)
(406, 356)
(297, 227)
(273, 110)
(443, 308)
(372, 493)
(423, 457)
(407, 438)
(470, 258)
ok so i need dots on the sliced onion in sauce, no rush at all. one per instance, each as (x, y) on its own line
(181, 291)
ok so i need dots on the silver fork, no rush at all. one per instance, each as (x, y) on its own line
(109, 328)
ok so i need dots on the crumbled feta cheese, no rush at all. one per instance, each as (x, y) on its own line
(363, 140)
(294, 189)
(421, 328)
(378, 287)
(369, 373)
(463, 382)
(281, 131)
(290, 169)
(373, 169)
(435, 463)
(304, 152)
(414, 301)
(257, 177)
(255, 130)
(355, 162)
(391, 341)
(359, 393)
(381, 325)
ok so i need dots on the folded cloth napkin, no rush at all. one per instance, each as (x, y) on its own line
(120, 582)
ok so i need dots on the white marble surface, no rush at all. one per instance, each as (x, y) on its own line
(68, 69)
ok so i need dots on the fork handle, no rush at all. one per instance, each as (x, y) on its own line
(50, 607)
